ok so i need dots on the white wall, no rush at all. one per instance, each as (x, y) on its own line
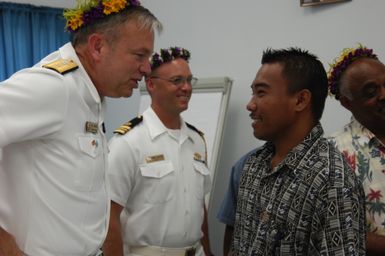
(226, 38)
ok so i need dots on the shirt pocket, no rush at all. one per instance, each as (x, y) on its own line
(159, 180)
(203, 179)
(90, 173)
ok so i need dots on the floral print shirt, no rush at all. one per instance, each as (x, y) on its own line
(366, 155)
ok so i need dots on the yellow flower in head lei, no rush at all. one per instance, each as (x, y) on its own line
(341, 63)
(89, 11)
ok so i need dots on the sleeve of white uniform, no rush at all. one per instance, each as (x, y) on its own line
(121, 170)
(33, 103)
(207, 178)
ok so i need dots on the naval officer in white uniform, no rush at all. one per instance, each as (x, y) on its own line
(53, 191)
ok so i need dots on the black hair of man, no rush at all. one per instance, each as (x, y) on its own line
(303, 70)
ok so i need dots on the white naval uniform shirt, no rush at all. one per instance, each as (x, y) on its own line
(53, 195)
(163, 197)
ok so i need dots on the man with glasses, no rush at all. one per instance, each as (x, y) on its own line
(158, 170)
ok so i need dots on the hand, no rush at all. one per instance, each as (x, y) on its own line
(8, 246)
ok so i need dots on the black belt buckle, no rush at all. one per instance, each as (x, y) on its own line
(190, 252)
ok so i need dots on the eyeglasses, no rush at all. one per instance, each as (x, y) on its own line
(179, 80)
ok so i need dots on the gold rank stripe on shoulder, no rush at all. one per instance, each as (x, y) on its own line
(124, 128)
(62, 66)
(192, 127)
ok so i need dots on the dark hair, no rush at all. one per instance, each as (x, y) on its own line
(303, 70)
(108, 24)
(167, 55)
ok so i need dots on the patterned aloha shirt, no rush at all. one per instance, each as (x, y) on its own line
(310, 204)
(366, 155)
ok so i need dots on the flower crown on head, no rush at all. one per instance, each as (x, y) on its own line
(341, 63)
(89, 11)
(167, 55)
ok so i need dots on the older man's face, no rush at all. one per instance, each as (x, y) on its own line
(366, 80)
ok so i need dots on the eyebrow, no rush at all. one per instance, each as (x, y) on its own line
(143, 50)
(259, 85)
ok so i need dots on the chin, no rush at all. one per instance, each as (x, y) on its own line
(126, 94)
(260, 136)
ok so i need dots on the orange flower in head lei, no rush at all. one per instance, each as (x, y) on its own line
(89, 11)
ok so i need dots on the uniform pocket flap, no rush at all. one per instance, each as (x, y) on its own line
(201, 168)
(157, 169)
(90, 145)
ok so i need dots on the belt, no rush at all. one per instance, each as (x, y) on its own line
(148, 250)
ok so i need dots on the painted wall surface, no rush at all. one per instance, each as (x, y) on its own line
(226, 38)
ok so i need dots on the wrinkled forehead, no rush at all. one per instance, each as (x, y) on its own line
(364, 71)
(365, 67)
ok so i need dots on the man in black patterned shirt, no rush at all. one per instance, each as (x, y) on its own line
(297, 196)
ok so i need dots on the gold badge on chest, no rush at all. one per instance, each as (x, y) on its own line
(155, 158)
(91, 127)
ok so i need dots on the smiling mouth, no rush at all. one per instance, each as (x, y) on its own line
(184, 97)
(255, 119)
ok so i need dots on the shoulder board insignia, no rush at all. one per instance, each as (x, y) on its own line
(195, 129)
(62, 66)
(124, 128)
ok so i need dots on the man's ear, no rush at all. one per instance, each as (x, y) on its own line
(346, 102)
(303, 99)
(149, 84)
(96, 43)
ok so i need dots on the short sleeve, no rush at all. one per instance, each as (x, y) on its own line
(228, 207)
(121, 167)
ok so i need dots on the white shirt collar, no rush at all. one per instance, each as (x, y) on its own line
(67, 51)
(156, 127)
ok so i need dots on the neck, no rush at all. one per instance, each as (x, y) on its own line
(168, 120)
(380, 134)
(293, 136)
(381, 137)
(85, 59)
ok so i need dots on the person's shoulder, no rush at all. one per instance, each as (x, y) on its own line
(42, 82)
(333, 165)
(45, 73)
(128, 126)
(325, 151)
(343, 135)
(192, 127)
(241, 161)
(60, 66)
(195, 133)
